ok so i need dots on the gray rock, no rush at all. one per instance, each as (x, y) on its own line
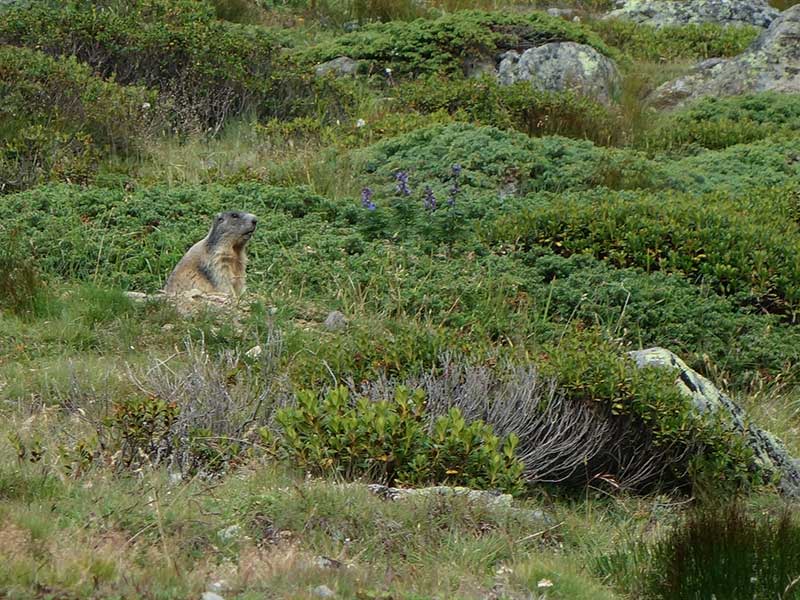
(325, 562)
(344, 66)
(335, 321)
(490, 498)
(564, 13)
(563, 66)
(770, 454)
(771, 63)
(659, 13)
(323, 591)
(211, 596)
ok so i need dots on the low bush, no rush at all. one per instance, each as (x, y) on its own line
(390, 442)
(57, 118)
(741, 253)
(674, 42)
(519, 106)
(717, 123)
(440, 46)
(209, 69)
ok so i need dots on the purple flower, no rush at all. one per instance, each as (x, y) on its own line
(456, 170)
(402, 183)
(428, 199)
(366, 199)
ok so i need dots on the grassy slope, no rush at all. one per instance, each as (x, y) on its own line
(68, 531)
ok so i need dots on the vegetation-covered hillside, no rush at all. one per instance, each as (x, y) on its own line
(450, 267)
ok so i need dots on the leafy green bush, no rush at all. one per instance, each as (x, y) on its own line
(518, 106)
(675, 42)
(57, 118)
(741, 253)
(440, 46)
(210, 69)
(391, 442)
(596, 371)
(717, 123)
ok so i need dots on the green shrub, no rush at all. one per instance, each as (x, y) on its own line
(675, 42)
(519, 106)
(210, 69)
(717, 123)
(596, 371)
(744, 254)
(440, 46)
(57, 118)
(392, 442)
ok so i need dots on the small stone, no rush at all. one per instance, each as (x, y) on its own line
(218, 586)
(229, 533)
(211, 596)
(323, 591)
(335, 321)
(344, 66)
(254, 352)
(323, 562)
(168, 327)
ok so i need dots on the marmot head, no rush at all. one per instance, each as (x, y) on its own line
(233, 227)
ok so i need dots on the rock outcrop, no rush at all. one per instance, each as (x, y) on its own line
(770, 454)
(562, 66)
(344, 66)
(771, 63)
(659, 13)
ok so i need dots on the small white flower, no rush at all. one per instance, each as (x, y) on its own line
(544, 583)
(388, 71)
(360, 123)
(146, 105)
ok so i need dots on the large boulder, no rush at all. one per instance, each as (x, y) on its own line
(771, 63)
(769, 453)
(344, 66)
(674, 12)
(562, 66)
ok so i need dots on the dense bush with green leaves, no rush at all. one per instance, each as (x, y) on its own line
(751, 255)
(210, 69)
(21, 286)
(518, 106)
(442, 45)
(716, 123)
(674, 42)
(57, 118)
(392, 442)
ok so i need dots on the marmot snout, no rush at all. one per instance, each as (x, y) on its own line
(216, 264)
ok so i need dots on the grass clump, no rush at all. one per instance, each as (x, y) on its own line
(22, 291)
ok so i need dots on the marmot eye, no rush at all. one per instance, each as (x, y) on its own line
(235, 215)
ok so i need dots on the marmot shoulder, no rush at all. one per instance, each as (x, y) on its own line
(216, 264)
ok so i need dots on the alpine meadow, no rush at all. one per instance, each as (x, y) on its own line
(400, 299)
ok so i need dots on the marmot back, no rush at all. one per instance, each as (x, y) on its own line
(216, 264)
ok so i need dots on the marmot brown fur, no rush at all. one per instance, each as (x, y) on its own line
(216, 264)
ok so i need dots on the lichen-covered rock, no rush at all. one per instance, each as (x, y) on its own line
(769, 452)
(671, 12)
(344, 66)
(560, 67)
(771, 63)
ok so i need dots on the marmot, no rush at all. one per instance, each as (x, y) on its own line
(216, 264)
